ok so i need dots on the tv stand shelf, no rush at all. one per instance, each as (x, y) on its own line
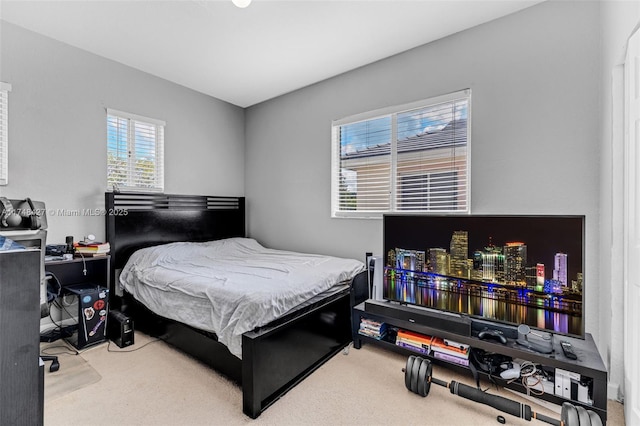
(588, 364)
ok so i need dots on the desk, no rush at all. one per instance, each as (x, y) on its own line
(88, 279)
(80, 270)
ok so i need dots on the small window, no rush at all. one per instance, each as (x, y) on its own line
(412, 157)
(135, 152)
(5, 88)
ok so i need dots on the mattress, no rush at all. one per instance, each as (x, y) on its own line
(231, 286)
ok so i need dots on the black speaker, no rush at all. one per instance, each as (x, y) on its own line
(120, 329)
(450, 322)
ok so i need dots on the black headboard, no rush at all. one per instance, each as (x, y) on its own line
(138, 220)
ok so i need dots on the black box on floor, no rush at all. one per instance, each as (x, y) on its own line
(93, 306)
(120, 329)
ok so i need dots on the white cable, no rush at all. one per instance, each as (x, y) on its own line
(84, 265)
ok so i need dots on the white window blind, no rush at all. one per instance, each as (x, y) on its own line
(413, 157)
(5, 88)
(135, 152)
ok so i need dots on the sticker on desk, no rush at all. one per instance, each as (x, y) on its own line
(95, 328)
(88, 313)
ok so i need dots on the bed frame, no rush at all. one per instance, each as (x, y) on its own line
(275, 357)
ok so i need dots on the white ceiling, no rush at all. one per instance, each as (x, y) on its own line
(246, 56)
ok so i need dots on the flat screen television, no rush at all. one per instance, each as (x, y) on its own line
(508, 269)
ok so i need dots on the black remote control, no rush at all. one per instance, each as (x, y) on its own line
(568, 350)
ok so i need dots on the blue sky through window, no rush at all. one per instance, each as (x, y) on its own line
(144, 139)
(366, 134)
(117, 131)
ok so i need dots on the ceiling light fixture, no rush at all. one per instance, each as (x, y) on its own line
(241, 3)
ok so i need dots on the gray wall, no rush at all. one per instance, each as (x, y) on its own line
(535, 78)
(534, 127)
(57, 129)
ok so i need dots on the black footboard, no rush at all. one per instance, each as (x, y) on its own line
(275, 359)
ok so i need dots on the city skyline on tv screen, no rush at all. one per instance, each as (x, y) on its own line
(520, 269)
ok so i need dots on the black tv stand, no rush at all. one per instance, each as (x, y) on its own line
(589, 363)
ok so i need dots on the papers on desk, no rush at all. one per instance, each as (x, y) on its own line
(7, 244)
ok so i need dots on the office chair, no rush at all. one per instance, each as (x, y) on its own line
(55, 365)
(53, 291)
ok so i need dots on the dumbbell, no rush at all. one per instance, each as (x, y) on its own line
(418, 378)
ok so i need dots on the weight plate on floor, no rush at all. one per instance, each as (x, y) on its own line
(583, 416)
(595, 418)
(407, 372)
(422, 377)
(427, 384)
(414, 374)
(569, 414)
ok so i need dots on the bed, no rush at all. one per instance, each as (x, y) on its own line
(266, 360)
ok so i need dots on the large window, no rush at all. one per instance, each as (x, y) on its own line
(413, 157)
(5, 88)
(135, 152)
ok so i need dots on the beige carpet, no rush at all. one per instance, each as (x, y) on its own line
(151, 383)
(76, 374)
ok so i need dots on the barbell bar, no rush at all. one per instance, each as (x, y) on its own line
(418, 378)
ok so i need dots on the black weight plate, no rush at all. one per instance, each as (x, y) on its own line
(422, 377)
(427, 385)
(414, 374)
(407, 372)
(583, 416)
(569, 414)
(595, 419)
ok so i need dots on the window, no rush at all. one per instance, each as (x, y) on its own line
(427, 191)
(413, 157)
(5, 88)
(135, 152)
